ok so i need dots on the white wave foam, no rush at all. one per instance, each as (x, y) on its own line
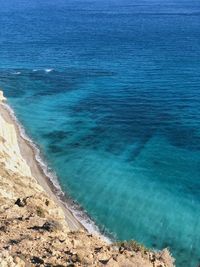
(48, 70)
(76, 210)
(16, 73)
(88, 223)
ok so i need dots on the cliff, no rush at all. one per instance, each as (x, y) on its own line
(35, 230)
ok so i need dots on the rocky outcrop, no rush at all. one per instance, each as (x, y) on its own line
(9, 149)
(33, 227)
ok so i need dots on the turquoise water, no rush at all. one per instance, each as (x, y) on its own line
(109, 90)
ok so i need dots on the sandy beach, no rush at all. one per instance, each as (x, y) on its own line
(28, 153)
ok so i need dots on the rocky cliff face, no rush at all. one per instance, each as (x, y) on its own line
(33, 228)
(9, 149)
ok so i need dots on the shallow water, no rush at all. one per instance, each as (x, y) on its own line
(110, 92)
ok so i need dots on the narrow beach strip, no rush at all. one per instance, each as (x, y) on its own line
(28, 153)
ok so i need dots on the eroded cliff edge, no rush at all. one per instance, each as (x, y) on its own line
(34, 230)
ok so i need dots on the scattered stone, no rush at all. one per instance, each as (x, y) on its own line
(104, 261)
(97, 249)
(104, 258)
(121, 249)
(77, 243)
(50, 226)
(19, 262)
(40, 212)
(21, 202)
(37, 260)
(47, 202)
(6, 247)
(3, 228)
(75, 258)
(13, 242)
(36, 228)
(152, 257)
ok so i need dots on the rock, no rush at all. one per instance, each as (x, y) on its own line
(19, 262)
(21, 202)
(165, 257)
(77, 243)
(103, 258)
(13, 241)
(47, 202)
(81, 255)
(88, 260)
(50, 226)
(97, 249)
(40, 212)
(159, 264)
(75, 258)
(152, 257)
(37, 260)
(3, 228)
(121, 249)
(104, 261)
(112, 263)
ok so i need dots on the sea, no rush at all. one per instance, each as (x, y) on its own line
(109, 91)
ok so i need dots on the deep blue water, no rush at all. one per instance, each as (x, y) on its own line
(118, 116)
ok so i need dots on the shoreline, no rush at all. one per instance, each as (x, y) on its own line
(76, 217)
(37, 224)
(28, 153)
